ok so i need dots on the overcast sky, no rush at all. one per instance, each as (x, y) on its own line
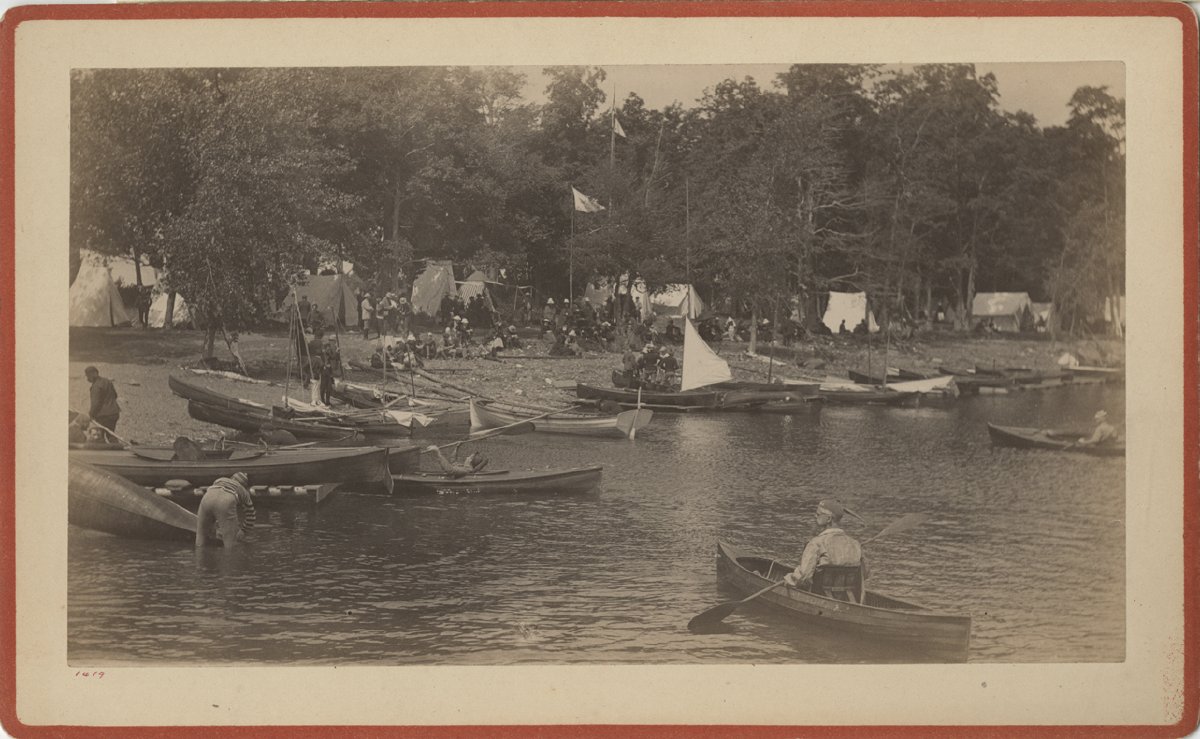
(1041, 88)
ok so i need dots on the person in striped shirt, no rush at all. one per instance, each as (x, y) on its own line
(226, 511)
(832, 546)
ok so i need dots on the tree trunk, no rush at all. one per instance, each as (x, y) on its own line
(753, 327)
(775, 327)
(396, 210)
(210, 336)
(969, 302)
(929, 304)
(169, 320)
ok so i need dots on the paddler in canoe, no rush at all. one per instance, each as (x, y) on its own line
(473, 464)
(1103, 434)
(832, 547)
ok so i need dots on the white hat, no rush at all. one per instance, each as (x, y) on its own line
(465, 322)
(549, 301)
(1101, 415)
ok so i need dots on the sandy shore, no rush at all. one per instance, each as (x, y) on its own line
(140, 361)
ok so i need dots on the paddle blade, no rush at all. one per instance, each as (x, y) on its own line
(712, 616)
(629, 422)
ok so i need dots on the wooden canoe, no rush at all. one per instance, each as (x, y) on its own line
(936, 635)
(656, 400)
(102, 501)
(253, 423)
(869, 396)
(1063, 440)
(504, 482)
(894, 375)
(361, 466)
(490, 415)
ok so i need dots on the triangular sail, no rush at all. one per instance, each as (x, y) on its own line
(701, 365)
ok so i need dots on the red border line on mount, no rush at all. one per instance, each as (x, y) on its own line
(852, 9)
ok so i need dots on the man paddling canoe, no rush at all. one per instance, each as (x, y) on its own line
(832, 546)
(1103, 434)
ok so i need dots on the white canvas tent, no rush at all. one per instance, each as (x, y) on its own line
(677, 300)
(332, 296)
(182, 315)
(475, 285)
(1003, 310)
(93, 297)
(848, 307)
(435, 282)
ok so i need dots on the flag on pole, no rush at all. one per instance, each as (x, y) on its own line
(617, 127)
(586, 204)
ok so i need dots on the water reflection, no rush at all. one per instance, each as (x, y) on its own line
(1030, 543)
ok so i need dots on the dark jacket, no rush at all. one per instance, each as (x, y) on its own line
(104, 399)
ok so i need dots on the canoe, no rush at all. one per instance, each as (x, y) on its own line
(510, 482)
(102, 501)
(489, 415)
(361, 397)
(379, 423)
(358, 465)
(253, 423)
(790, 405)
(869, 396)
(937, 635)
(894, 375)
(796, 389)
(1063, 440)
(657, 400)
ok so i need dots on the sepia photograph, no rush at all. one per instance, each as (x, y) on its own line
(492, 370)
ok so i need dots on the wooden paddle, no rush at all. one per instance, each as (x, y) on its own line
(718, 613)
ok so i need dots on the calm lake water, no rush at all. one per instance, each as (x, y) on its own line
(1029, 543)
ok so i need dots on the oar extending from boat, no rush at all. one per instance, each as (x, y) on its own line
(718, 613)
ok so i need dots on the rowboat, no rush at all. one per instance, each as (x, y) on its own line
(362, 466)
(102, 501)
(510, 482)
(937, 635)
(488, 415)
(1063, 440)
(252, 422)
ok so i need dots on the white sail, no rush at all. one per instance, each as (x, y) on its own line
(701, 365)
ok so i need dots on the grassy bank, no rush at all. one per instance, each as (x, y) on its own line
(139, 362)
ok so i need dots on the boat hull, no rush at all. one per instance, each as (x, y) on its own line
(358, 465)
(519, 482)
(1019, 437)
(240, 421)
(486, 415)
(866, 397)
(690, 400)
(938, 636)
(102, 501)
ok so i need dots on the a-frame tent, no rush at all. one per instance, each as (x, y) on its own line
(332, 296)
(431, 285)
(93, 297)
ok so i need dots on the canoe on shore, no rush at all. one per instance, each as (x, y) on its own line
(936, 635)
(102, 501)
(253, 423)
(867, 396)
(656, 400)
(361, 466)
(489, 415)
(893, 375)
(507, 482)
(1063, 440)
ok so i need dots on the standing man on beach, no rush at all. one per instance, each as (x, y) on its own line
(104, 409)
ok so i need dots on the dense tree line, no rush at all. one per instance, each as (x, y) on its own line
(911, 185)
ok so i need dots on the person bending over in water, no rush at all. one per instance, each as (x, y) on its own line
(226, 512)
(473, 464)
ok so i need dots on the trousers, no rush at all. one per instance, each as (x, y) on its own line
(218, 518)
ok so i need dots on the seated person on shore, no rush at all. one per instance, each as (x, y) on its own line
(381, 358)
(495, 343)
(226, 512)
(1103, 434)
(427, 349)
(473, 464)
(572, 344)
(511, 340)
(673, 333)
(832, 546)
(559, 349)
(316, 320)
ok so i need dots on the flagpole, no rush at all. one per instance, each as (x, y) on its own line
(612, 151)
(571, 257)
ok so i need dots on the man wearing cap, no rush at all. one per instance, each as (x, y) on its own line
(1104, 432)
(104, 409)
(832, 546)
(226, 511)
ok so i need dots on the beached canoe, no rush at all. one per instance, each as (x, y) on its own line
(656, 400)
(864, 396)
(253, 423)
(489, 415)
(1063, 440)
(102, 501)
(504, 482)
(935, 635)
(894, 375)
(362, 466)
